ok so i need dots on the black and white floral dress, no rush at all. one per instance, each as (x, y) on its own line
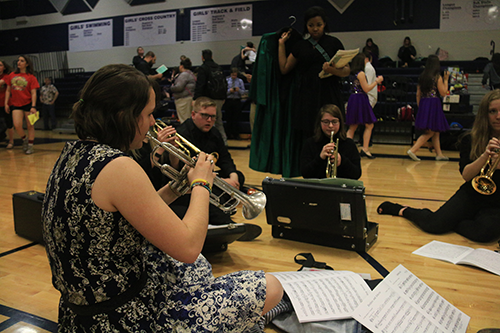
(112, 280)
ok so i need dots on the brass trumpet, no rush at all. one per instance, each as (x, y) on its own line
(159, 125)
(483, 183)
(331, 167)
(253, 204)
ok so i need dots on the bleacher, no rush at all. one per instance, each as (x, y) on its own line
(166, 111)
(400, 90)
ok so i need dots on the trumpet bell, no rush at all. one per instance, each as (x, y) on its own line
(252, 204)
(258, 203)
(484, 185)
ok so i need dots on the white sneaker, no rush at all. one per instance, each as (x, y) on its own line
(29, 150)
(25, 144)
(413, 156)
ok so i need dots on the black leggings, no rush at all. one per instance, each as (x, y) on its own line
(7, 116)
(466, 214)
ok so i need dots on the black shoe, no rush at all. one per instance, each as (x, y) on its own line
(389, 208)
(362, 153)
(252, 231)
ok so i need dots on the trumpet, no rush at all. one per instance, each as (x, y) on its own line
(253, 204)
(331, 167)
(483, 183)
(159, 125)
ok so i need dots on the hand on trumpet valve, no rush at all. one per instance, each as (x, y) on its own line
(203, 169)
(493, 146)
(327, 150)
(167, 134)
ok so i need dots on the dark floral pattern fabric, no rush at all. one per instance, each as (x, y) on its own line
(96, 256)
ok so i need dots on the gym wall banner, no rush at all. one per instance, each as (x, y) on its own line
(221, 23)
(90, 36)
(470, 15)
(153, 29)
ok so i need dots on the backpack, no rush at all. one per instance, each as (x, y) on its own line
(217, 84)
(405, 113)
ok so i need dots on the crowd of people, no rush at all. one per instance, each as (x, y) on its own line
(130, 260)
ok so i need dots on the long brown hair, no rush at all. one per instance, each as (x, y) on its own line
(482, 131)
(109, 105)
(6, 68)
(29, 68)
(334, 111)
(430, 73)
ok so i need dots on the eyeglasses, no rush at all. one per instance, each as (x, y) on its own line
(207, 116)
(328, 122)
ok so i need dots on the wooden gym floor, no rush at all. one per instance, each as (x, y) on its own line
(28, 302)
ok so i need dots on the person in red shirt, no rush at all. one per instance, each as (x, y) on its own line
(20, 99)
(5, 70)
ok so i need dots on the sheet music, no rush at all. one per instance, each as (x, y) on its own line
(443, 251)
(457, 254)
(403, 303)
(485, 259)
(340, 59)
(323, 295)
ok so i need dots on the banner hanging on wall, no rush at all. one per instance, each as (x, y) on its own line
(221, 23)
(470, 15)
(153, 29)
(90, 36)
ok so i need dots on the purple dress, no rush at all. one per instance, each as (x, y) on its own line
(359, 110)
(430, 115)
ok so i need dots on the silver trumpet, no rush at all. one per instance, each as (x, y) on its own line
(253, 204)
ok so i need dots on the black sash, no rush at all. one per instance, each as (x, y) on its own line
(112, 303)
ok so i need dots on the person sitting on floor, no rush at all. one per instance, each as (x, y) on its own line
(318, 149)
(469, 213)
(119, 256)
(200, 131)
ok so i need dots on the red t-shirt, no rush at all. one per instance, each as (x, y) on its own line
(21, 85)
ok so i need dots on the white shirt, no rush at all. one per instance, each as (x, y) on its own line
(370, 78)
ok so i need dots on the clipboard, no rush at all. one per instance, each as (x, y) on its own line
(162, 69)
(340, 59)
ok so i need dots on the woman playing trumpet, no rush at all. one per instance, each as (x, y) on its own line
(319, 148)
(120, 257)
(471, 214)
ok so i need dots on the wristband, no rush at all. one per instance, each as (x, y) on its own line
(194, 184)
(157, 155)
(201, 182)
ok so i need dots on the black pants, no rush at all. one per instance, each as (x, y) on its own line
(467, 214)
(215, 215)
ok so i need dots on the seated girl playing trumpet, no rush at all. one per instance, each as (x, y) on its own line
(470, 212)
(320, 148)
(120, 257)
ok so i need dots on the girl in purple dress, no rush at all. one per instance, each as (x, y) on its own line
(430, 115)
(359, 110)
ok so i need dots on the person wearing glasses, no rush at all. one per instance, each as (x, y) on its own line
(319, 148)
(201, 132)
